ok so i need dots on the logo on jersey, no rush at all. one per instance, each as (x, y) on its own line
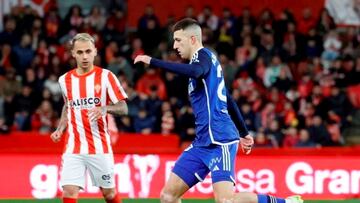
(190, 86)
(216, 168)
(97, 88)
(194, 58)
(84, 102)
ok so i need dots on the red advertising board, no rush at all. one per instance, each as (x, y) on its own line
(314, 177)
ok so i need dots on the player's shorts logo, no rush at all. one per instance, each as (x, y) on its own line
(106, 177)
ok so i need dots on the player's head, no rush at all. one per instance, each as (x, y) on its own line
(83, 50)
(187, 37)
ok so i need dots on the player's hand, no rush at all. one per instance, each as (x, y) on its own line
(142, 58)
(96, 113)
(56, 136)
(246, 144)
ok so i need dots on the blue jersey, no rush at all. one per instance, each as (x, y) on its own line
(209, 102)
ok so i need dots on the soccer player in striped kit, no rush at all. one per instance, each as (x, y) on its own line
(89, 92)
(219, 124)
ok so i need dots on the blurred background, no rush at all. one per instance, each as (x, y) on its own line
(293, 68)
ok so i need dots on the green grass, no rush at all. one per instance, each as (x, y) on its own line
(157, 201)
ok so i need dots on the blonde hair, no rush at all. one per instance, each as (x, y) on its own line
(82, 37)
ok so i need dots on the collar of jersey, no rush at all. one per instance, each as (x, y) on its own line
(83, 75)
(195, 52)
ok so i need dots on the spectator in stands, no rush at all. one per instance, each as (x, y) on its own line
(150, 79)
(24, 107)
(290, 137)
(325, 23)
(246, 19)
(52, 23)
(167, 119)
(230, 70)
(266, 19)
(111, 50)
(96, 18)
(115, 26)
(313, 45)
(24, 52)
(246, 54)
(318, 132)
(144, 123)
(120, 66)
(44, 117)
(304, 139)
(207, 18)
(189, 12)
(186, 124)
(332, 46)
(306, 22)
(153, 107)
(5, 58)
(283, 82)
(272, 72)
(73, 21)
(262, 141)
(149, 29)
(267, 48)
(53, 86)
(9, 34)
(37, 33)
(275, 133)
(124, 124)
(249, 116)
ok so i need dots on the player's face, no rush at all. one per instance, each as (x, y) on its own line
(182, 44)
(84, 52)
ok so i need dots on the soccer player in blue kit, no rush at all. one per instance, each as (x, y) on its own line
(219, 124)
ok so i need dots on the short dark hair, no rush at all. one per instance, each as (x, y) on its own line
(184, 23)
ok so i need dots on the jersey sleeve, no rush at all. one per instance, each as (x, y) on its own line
(202, 60)
(199, 66)
(236, 116)
(61, 82)
(114, 89)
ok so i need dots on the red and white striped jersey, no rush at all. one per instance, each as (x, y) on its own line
(99, 87)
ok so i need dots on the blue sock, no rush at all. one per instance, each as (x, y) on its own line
(269, 199)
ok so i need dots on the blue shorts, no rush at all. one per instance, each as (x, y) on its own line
(196, 162)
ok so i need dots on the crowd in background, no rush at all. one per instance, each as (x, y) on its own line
(294, 80)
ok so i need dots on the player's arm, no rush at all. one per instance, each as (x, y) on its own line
(56, 136)
(120, 108)
(246, 140)
(194, 70)
(236, 116)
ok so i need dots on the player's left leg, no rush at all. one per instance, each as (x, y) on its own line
(110, 195)
(101, 171)
(223, 182)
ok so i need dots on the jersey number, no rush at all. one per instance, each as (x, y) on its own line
(220, 90)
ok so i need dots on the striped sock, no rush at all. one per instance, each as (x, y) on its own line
(270, 199)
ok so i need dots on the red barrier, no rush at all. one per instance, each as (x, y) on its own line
(315, 177)
(33, 142)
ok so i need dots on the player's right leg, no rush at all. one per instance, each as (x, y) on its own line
(188, 170)
(72, 176)
(174, 188)
(70, 193)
